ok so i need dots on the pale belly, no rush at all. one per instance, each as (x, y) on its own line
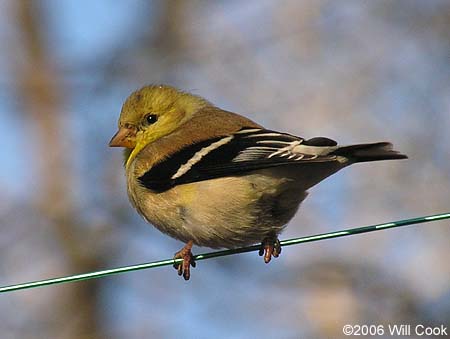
(222, 213)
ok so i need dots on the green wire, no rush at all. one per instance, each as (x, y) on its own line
(204, 256)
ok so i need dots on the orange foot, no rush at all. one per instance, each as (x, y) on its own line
(270, 247)
(184, 268)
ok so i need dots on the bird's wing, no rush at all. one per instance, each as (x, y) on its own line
(246, 150)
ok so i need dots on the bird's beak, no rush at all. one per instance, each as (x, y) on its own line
(125, 137)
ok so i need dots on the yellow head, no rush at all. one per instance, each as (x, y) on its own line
(151, 113)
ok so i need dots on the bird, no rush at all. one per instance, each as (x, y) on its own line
(214, 178)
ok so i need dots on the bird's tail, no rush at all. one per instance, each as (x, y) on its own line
(369, 152)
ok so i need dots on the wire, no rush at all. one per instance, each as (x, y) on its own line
(204, 256)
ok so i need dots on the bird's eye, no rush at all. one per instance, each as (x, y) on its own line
(151, 118)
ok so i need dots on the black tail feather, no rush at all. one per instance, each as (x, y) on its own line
(369, 152)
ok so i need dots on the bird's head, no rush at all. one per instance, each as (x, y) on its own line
(151, 113)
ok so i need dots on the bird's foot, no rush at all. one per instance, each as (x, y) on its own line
(184, 267)
(270, 247)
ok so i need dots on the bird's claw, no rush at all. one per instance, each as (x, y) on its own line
(184, 267)
(270, 247)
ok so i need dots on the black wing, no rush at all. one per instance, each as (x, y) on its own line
(244, 151)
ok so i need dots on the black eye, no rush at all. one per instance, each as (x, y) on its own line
(151, 119)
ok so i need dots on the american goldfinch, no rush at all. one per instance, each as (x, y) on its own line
(214, 178)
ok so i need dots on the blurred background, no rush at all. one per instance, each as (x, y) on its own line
(355, 71)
